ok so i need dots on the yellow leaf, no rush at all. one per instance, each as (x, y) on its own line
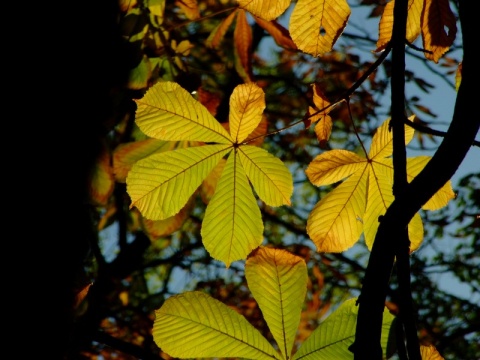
(439, 28)
(257, 136)
(195, 325)
(265, 9)
(335, 223)
(189, 8)
(315, 25)
(247, 103)
(156, 7)
(269, 176)
(242, 38)
(442, 196)
(127, 154)
(414, 15)
(380, 197)
(429, 352)
(278, 282)
(382, 141)
(161, 184)
(372, 179)
(233, 225)
(323, 129)
(415, 232)
(319, 98)
(169, 112)
(210, 183)
(332, 166)
(182, 48)
(385, 26)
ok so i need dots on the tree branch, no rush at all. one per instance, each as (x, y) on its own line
(443, 165)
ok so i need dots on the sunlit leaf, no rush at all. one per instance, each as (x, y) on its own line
(257, 136)
(319, 115)
(442, 196)
(156, 7)
(169, 112)
(323, 130)
(195, 325)
(338, 219)
(265, 9)
(161, 184)
(269, 176)
(385, 27)
(278, 282)
(189, 8)
(247, 103)
(335, 223)
(429, 352)
(332, 166)
(182, 48)
(127, 154)
(315, 25)
(380, 197)
(382, 141)
(210, 183)
(332, 338)
(233, 225)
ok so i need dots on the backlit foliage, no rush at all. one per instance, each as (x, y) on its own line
(226, 148)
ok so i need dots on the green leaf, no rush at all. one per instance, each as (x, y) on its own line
(278, 282)
(233, 225)
(161, 184)
(195, 325)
